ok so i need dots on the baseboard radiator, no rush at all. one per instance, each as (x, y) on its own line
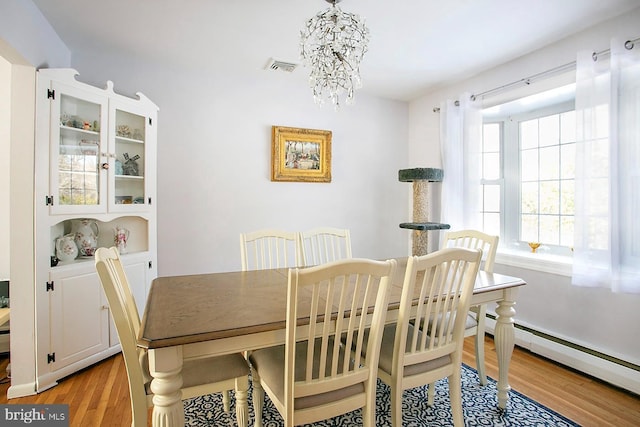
(612, 370)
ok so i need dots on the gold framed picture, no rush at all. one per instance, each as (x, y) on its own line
(300, 155)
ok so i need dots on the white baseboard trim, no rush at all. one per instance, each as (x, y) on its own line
(21, 390)
(598, 367)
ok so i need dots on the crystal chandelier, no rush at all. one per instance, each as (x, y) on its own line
(332, 44)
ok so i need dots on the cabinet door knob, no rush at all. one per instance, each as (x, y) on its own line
(105, 166)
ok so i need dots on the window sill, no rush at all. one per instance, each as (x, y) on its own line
(554, 264)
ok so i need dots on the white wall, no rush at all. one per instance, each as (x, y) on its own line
(596, 318)
(214, 142)
(23, 26)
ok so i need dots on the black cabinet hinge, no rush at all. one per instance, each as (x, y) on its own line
(150, 264)
(48, 200)
(50, 286)
(149, 201)
(150, 121)
(51, 358)
(51, 94)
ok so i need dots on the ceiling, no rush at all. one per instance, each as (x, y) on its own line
(416, 45)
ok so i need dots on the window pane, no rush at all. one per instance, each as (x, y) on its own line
(529, 165)
(491, 137)
(566, 231)
(491, 165)
(550, 197)
(529, 196)
(549, 229)
(568, 161)
(529, 228)
(567, 197)
(529, 134)
(567, 127)
(550, 162)
(492, 223)
(549, 131)
(491, 198)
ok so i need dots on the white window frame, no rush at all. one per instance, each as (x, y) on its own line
(513, 251)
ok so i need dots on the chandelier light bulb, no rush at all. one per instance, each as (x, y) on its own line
(332, 45)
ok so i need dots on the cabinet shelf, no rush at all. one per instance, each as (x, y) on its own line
(78, 130)
(129, 177)
(129, 140)
(88, 261)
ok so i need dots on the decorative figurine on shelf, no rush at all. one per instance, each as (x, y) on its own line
(124, 131)
(130, 166)
(120, 238)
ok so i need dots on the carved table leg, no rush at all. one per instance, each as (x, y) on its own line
(504, 340)
(165, 365)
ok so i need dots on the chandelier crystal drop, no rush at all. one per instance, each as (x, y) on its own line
(332, 44)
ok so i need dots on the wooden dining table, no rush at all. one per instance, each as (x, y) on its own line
(201, 315)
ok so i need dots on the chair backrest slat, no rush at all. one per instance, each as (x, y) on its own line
(266, 249)
(325, 244)
(474, 239)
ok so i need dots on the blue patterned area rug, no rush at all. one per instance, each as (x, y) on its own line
(480, 407)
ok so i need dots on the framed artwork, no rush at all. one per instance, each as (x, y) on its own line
(300, 155)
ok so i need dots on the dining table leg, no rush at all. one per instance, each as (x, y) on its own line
(504, 336)
(165, 365)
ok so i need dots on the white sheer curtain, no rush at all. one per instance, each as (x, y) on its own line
(607, 227)
(461, 144)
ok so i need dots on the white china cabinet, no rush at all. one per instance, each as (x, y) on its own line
(96, 186)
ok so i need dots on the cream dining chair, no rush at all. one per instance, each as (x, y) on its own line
(200, 377)
(441, 284)
(315, 379)
(473, 239)
(270, 248)
(324, 244)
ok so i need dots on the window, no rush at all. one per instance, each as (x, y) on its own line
(528, 166)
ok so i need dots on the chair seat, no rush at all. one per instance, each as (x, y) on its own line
(385, 362)
(270, 363)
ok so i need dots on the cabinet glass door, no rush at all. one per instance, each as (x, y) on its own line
(128, 187)
(77, 136)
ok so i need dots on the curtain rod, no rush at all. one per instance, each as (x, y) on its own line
(629, 44)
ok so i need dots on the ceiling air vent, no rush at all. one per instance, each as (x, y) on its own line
(277, 65)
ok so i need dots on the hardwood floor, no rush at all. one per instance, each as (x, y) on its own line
(99, 395)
